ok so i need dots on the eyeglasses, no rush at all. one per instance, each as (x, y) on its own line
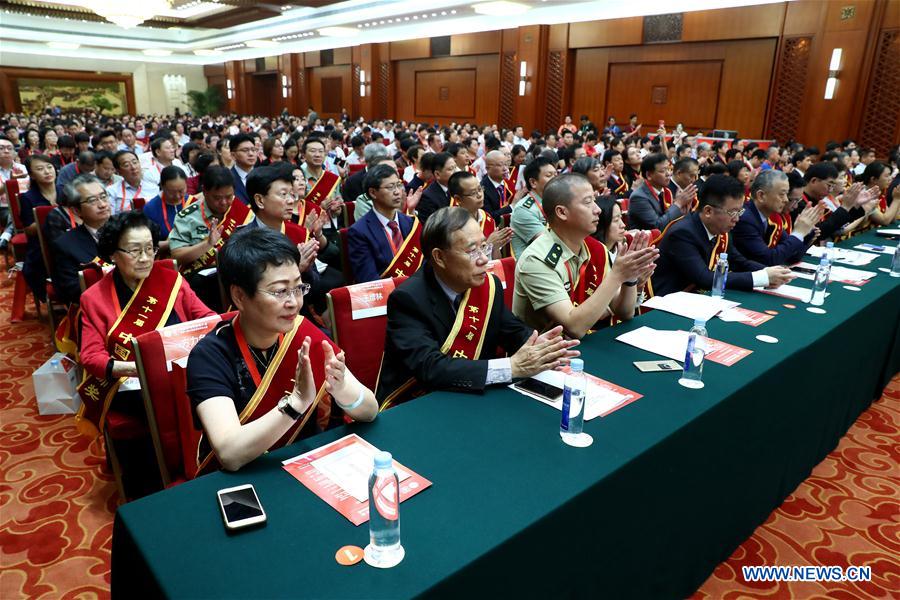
(283, 295)
(734, 214)
(248, 149)
(485, 250)
(136, 253)
(283, 195)
(391, 188)
(478, 192)
(103, 197)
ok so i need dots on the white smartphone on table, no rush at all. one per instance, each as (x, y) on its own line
(241, 507)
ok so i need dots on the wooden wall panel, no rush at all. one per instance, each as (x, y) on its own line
(317, 91)
(612, 32)
(409, 49)
(445, 94)
(632, 86)
(733, 23)
(342, 56)
(264, 96)
(746, 70)
(485, 42)
(484, 92)
(881, 119)
(804, 17)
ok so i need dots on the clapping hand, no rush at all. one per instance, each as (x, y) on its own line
(540, 353)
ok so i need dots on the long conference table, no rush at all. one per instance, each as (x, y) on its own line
(673, 483)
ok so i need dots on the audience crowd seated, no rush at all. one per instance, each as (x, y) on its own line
(265, 216)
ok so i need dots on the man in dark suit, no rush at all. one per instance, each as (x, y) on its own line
(496, 202)
(77, 247)
(819, 180)
(424, 351)
(689, 250)
(375, 239)
(652, 204)
(436, 196)
(684, 178)
(353, 187)
(243, 150)
(761, 235)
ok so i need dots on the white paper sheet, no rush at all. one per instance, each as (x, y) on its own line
(879, 248)
(671, 344)
(838, 273)
(790, 291)
(350, 468)
(599, 400)
(692, 306)
(733, 316)
(844, 256)
(888, 231)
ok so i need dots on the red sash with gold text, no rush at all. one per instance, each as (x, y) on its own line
(488, 226)
(720, 247)
(409, 256)
(465, 339)
(323, 189)
(278, 381)
(148, 310)
(239, 214)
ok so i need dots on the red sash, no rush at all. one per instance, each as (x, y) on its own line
(302, 210)
(67, 335)
(809, 203)
(777, 225)
(148, 310)
(509, 184)
(882, 202)
(720, 247)
(237, 215)
(295, 233)
(591, 273)
(465, 339)
(408, 258)
(323, 188)
(619, 186)
(665, 202)
(488, 226)
(278, 381)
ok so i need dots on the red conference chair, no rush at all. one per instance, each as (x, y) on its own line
(349, 218)
(345, 256)
(370, 322)
(505, 269)
(138, 204)
(356, 168)
(169, 414)
(53, 301)
(19, 245)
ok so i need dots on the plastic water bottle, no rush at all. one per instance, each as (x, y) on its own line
(571, 426)
(720, 276)
(895, 262)
(820, 283)
(384, 549)
(692, 377)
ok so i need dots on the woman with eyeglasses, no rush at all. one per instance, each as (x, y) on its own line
(136, 296)
(269, 375)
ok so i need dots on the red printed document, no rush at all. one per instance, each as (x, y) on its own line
(338, 473)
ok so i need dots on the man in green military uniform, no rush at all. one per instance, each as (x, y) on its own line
(198, 232)
(528, 220)
(566, 277)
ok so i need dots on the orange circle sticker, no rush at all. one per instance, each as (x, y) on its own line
(349, 555)
(771, 312)
(789, 306)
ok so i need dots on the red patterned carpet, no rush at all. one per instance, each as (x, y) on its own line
(57, 500)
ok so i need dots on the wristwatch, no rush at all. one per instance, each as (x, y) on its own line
(284, 405)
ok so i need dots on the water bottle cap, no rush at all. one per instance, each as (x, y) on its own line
(54, 362)
(829, 244)
(576, 365)
(383, 460)
(700, 322)
(723, 255)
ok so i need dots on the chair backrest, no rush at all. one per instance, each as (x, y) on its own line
(138, 204)
(655, 236)
(169, 413)
(40, 217)
(349, 217)
(345, 256)
(359, 320)
(357, 168)
(505, 269)
(12, 193)
(93, 273)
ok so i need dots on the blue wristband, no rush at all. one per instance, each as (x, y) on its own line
(359, 400)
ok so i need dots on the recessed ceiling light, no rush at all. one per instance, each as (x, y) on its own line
(64, 45)
(157, 52)
(500, 8)
(207, 52)
(338, 31)
(260, 43)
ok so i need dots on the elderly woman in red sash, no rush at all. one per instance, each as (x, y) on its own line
(466, 191)
(137, 296)
(268, 376)
(888, 209)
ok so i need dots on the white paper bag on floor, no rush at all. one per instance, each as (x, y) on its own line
(55, 384)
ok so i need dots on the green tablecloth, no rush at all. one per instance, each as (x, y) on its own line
(673, 483)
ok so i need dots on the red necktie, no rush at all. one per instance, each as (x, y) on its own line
(395, 235)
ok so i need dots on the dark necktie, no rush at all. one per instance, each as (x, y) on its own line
(395, 235)
(456, 302)
(501, 193)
